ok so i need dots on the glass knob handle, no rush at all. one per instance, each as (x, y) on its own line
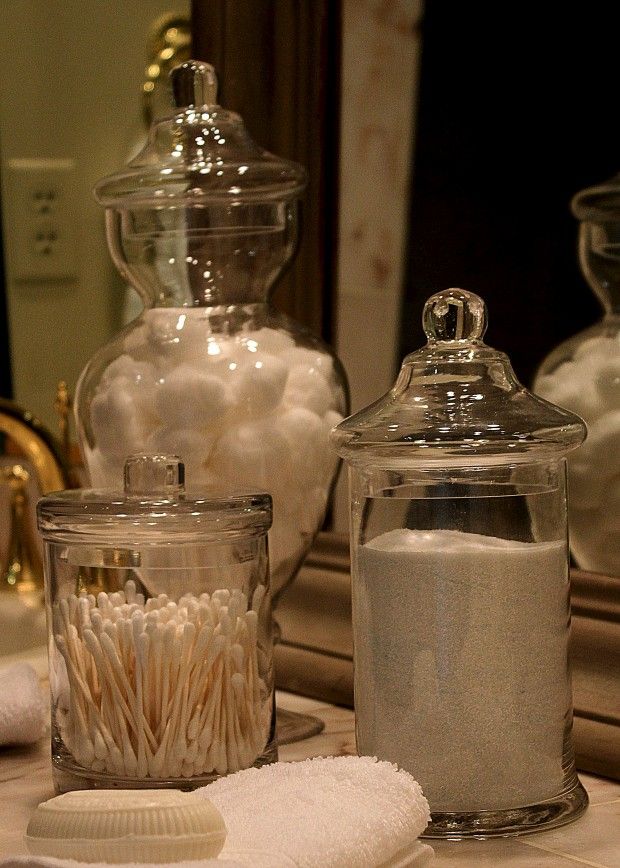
(152, 475)
(194, 84)
(454, 315)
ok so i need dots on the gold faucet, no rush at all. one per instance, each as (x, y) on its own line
(22, 571)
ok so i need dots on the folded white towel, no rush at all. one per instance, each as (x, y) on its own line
(23, 709)
(328, 812)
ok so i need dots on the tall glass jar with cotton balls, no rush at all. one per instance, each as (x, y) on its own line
(460, 584)
(583, 375)
(201, 223)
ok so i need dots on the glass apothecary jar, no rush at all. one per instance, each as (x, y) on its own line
(583, 375)
(460, 582)
(201, 223)
(159, 622)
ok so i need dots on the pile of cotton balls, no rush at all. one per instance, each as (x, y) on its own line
(249, 410)
(589, 385)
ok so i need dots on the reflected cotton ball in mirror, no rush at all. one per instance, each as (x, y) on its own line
(602, 448)
(608, 383)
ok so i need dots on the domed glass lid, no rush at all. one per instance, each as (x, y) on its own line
(201, 154)
(154, 507)
(457, 402)
(600, 203)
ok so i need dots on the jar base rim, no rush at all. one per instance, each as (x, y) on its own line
(549, 814)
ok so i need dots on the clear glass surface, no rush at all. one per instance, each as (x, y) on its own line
(160, 634)
(460, 582)
(583, 375)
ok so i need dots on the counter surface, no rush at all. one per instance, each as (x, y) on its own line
(594, 839)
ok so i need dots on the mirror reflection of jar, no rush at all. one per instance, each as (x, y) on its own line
(583, 375)
(201, 223)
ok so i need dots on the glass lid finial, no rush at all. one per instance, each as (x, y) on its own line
(194, 84)
(454, 315)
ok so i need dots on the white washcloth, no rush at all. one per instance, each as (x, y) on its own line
(328, 812)
(23, 709)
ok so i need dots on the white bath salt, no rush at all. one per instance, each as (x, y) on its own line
(461, 678)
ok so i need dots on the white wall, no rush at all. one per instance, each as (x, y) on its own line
(70, 78)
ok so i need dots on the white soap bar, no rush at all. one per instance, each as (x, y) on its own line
(123, 826)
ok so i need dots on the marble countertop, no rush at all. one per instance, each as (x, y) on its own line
(594, 839)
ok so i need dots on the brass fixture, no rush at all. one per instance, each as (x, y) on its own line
(169, 43)
(22, 571)
(31, 441)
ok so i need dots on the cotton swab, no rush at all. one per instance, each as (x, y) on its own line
(162, 689)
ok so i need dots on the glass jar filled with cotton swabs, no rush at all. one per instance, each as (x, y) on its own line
(160, 645)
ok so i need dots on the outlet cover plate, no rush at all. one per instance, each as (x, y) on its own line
(40, 220)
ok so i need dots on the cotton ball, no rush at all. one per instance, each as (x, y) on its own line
(601, 347)
(258, 385)
(568, 387)
(610, 509)
(136, 337)
(270, 340)
(104, 471)
(117, 423)
(331, 419)
(309, 358)
(602, 450)
(307, 387)
(138, 379)
(608, 383)
(192, 447)
(253, 455)
(190, 398)
(585, 485)
(307, 439)
(163, 325)
(126, 366)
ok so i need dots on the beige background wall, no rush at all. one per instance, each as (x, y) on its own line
(70, 78)
(381, 56)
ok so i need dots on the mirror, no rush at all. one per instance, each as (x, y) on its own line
(71, 95)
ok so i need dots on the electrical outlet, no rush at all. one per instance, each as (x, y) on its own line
(39, 227)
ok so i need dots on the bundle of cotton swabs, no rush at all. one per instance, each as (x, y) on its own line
(160, 689)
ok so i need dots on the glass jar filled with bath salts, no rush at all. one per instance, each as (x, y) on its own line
(583, 375)
(460, 582)
(201, 223)
(159, 619)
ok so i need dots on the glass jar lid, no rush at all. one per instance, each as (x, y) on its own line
(457, 402)
(199, 155)
(153, 508)
(598, 204)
